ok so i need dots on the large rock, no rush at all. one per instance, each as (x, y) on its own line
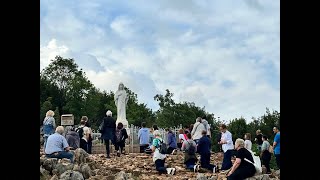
(86, 171)
(259, 177)
(71, 175)
(123, 176)
(44, 174)
(80, 156)
(201, 176)
(49, 164)
(62, 167)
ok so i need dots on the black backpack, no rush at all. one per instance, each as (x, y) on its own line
(191, 150)
(80, 131)
(163, 147)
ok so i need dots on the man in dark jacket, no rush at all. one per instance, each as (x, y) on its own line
(108, 132)
(204, 147)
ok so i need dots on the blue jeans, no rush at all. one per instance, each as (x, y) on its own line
(226, 163)
(160, 166)
(61, 154)
(190, 164)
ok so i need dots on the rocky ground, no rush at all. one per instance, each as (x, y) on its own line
(130, 166)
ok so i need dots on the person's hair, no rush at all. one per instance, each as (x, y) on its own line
(189, 136)
(82, 122)
(198, 119)
(223, 126)
(143, 124)
(258, 131)
(68, 128)
(156, 133)
(240, 142)
(204, 132)
(155, 127)
(265, 137)
(204, 117)
(277, 128)
(109, 113)
(120, 125)
(50, 113)
(86, 131)
(248, 136)
(60, 129)
(181, 131)
(84, 118)
(190, 127)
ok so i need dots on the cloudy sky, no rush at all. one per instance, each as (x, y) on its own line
(224, 55)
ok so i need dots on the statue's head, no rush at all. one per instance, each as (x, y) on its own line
(121, 86)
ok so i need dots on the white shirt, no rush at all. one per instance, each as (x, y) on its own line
(227, 136)
(197, 129)
(247, 144)
(181, 136)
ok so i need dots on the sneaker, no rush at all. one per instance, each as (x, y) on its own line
(214, 170)
(195, 168)
(108, 157)
(198, 168)
(173, 151)
(169, 170)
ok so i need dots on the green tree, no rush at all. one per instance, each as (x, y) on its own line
(57, 116)
(46, 106)
(237, 127)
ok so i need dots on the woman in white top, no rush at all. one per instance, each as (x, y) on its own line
(182, 137)
(247, 142)
(197, 129)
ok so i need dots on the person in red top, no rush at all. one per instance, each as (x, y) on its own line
(182, 137)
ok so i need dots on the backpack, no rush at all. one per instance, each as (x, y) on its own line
(80, 131)
(163, 147)
(256, 162)
(191, 150)
(118, 135)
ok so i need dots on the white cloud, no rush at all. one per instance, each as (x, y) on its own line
(224, 55)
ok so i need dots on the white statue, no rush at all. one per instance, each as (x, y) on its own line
(121, 99)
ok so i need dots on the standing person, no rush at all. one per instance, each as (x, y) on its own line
(204, 149)
(158, 158)
(143, 136)
(265, 154)
(87, 124)
(108, 132)
(197, 129)
(241, 169)
(121, 99)
(247, 142)
(172, 142)
(258, 139)
(227, 147)
(190, 159)
(85, 139)
(57, 146)
(49, 125)
(206, 125)
(120, 137)
(182, 137)
(276, 145)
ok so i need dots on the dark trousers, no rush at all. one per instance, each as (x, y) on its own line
(107, 141)
(226, 163)
(119, 145)
(143, 147)
(61, 155)
(169, 150)
(190, 163)
(242, 173)
(266, 157)
(277, 159)
(90, 146)
(160, 166)
(205, 161)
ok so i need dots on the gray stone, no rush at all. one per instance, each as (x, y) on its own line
(49, 164)
(201, 176)
(62, 167)
(44, 174)
(259, 177)
(86, 171)
(123, 176)
(54, 177)
(71, 175)
(80, 156)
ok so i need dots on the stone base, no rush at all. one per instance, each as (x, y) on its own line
(124, 122)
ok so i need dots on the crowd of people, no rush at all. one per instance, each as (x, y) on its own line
(194, 141)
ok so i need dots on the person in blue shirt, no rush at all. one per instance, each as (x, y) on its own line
(276, 145)
(143, 136)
